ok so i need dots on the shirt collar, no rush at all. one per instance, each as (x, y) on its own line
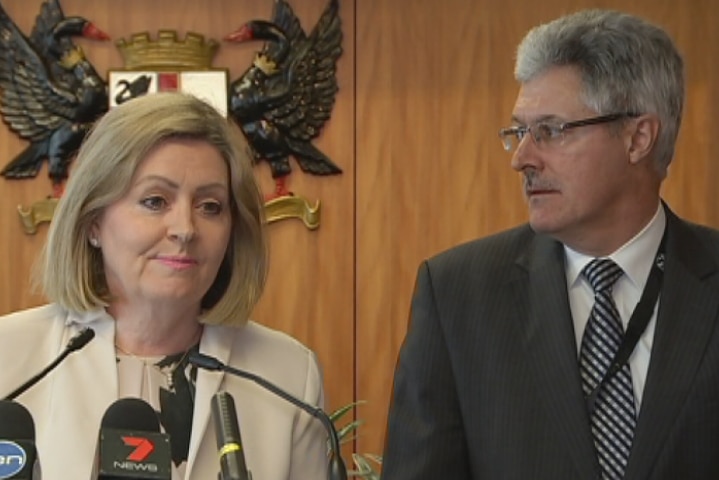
(635, 257)
(84, 318)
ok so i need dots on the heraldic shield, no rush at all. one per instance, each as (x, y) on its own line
(168, 64)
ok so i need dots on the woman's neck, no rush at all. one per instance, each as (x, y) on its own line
(154, 331)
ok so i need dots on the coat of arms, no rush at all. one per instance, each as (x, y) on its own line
(50, 94)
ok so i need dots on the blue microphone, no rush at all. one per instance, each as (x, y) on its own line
(18, 456)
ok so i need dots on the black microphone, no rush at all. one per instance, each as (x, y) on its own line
(75, 343)
(18, 457)
(131, 445)
(229, 442)
(337, 469)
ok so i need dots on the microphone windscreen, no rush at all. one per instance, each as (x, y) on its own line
(229, 442)
(227, 429)
(131, 443)
(16, 421)
(131, 414)
(18, 456)
(81, 339)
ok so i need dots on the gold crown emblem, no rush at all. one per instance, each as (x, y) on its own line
(72, 57)
(167, 52)
(265, 64)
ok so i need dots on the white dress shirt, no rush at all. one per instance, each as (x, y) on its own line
(636, 258)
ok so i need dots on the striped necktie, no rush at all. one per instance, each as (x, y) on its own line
(613, 416)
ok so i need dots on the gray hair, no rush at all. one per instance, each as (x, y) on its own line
(626, 65)
(71, 271)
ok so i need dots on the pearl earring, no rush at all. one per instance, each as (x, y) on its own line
(94, 242)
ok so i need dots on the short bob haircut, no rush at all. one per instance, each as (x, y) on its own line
(626, 65)
(71, 271)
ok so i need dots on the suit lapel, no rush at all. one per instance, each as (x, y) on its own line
(216, 342)
(688, 309)
(551, 348)
(70, 410)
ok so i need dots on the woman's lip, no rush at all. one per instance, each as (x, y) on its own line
(177, 262)
(177, 258)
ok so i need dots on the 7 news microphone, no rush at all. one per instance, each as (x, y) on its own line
(131, 445)
(81, 339)
(337, 469)
(18, 457)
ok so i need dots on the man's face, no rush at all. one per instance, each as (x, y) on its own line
(577, 185)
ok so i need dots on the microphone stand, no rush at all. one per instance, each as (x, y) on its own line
(75, 343)
(337, 469)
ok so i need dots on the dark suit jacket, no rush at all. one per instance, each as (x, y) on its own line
(487, 383)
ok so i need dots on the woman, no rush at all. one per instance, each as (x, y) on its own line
(158, 246)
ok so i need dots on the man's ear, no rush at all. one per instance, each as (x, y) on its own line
(642, 137)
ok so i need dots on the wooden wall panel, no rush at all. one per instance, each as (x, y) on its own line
(434, 84)
(310, 288)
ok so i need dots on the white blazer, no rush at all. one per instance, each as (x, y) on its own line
(281, 442)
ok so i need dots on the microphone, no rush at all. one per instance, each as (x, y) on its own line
(337, 469)
(229, 442)
(81, 339)
(131, 445)
(18, 457)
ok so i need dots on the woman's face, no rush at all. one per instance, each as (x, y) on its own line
(163, 242)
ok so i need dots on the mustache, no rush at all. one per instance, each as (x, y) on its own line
(532, 182)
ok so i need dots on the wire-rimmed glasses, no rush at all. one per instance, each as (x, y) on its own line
(548, 133)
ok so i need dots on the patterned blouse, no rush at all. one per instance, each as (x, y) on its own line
(167, 383)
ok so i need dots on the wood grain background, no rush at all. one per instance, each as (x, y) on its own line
(424, 87)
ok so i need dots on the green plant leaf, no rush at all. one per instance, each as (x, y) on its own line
(364, 467)
(349, 429)
(363, 462)
(340, 412)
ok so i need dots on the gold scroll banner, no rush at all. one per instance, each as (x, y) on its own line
(276, 209)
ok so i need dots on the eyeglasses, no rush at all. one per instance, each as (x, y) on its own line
(550, 134)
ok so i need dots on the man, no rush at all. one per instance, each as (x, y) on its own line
(516, 364)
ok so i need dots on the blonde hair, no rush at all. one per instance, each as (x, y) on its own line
(71, 271)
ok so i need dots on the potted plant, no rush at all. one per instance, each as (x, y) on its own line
(363, 464)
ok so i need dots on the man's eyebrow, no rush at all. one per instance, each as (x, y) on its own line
(541, 118)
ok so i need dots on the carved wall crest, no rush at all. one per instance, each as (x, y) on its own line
(281, 102)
